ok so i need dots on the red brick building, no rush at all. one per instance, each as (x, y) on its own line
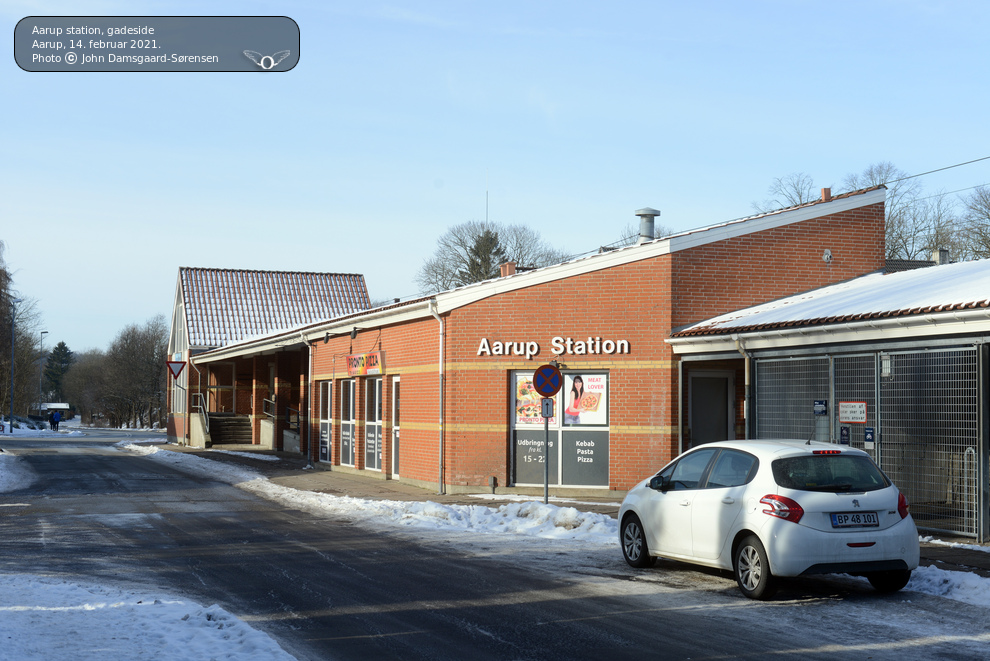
(437, 391)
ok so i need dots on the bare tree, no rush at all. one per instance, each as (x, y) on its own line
(976, 222)
(630, 234)
(905, 225)
(85, 383)
(445, 269)
(788, 191)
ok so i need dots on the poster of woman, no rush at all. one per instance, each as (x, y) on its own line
(585, 399)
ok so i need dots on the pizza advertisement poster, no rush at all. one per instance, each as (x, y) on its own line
(528, 402)
(592, 405)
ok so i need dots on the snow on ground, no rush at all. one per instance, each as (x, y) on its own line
(14, 473)
(533, 519)
(23, 432)
(76, 618)
(522, 519)
(44, 618)
(250, 455)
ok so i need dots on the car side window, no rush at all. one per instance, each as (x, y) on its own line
(731, 469)
(688, 471)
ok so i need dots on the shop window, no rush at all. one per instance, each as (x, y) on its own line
(578, 433)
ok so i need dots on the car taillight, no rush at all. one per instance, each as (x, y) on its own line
(782, 508)
(826, 452)
(902, 505)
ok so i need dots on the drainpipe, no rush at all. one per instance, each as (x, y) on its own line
(741, 349)
(433, 311)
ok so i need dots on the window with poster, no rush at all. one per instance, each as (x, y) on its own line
(578, 433)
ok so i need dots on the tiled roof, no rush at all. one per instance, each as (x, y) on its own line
(224, 306)
(897, 265)
(946, 288)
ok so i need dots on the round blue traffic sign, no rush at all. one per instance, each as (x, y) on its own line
(547, 380)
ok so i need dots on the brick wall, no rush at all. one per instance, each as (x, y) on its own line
(639, 302)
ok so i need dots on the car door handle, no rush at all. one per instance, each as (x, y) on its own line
(728, 500)
(684, 503)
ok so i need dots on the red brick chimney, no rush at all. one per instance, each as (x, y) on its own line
(826, 195)
(509, 268)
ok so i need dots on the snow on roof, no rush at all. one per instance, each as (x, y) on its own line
(944, 288)
(224, 306)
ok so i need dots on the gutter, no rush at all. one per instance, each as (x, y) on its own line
(440, 484)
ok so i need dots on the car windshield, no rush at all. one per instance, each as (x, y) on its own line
(829, 472)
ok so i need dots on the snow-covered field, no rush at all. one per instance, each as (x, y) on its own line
(52, 618)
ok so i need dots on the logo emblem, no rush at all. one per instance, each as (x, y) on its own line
(855, 503)
(267, 62)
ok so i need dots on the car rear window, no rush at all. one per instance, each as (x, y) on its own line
(830, 472)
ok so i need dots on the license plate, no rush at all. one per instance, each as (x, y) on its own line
(855, 520)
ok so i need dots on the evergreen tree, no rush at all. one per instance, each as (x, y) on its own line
(484, 258)
(59, 361)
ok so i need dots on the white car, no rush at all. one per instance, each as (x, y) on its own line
(773, 508)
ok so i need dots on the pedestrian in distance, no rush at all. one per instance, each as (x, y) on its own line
(56, 417)
(51, 420)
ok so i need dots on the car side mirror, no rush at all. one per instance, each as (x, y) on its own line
(658, 483)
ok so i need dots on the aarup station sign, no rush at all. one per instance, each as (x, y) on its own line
(559, 346)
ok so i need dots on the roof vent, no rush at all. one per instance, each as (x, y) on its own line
(940, 256)
(646, 231)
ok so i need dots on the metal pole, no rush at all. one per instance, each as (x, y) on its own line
(546, 461)
(13, 314)
(41, 370)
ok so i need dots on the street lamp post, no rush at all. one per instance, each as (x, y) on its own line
(41, 378)
(13, 315)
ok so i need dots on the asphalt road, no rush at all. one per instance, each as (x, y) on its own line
(327, 588)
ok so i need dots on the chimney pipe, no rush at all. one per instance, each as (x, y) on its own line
(646, 226)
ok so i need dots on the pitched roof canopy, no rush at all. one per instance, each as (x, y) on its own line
(224, 306)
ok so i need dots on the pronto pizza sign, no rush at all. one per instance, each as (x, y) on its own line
(363, 364)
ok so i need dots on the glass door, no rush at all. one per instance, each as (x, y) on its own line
(395, 426)
(326, 423)
(347, 422)
(373, 425)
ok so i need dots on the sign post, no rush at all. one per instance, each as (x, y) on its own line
(547, 381)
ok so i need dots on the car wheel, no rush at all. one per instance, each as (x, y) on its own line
(889, 581)
(634, 547)
(752, 569)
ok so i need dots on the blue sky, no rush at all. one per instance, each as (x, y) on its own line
(400, 115)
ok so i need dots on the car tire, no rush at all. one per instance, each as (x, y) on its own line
(889, 581)
(752, 569)
(633, 542)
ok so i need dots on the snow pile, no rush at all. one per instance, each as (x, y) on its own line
(249, 455)
(533, 519)
(956, 585)
(23, 431)
(44, 618)
(14, 473)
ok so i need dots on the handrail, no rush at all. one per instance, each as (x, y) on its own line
(292, 420)
(268, 407)
(199, 402)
